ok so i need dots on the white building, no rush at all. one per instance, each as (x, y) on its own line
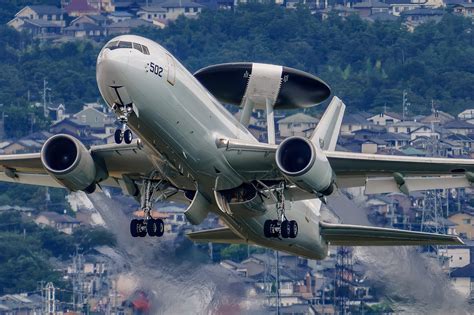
(296, 125)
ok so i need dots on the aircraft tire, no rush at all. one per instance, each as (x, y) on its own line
(160, 230)
(141, 231)
(285, 229)
(293, 229)
(275, 224)
(118, 136)
(128, 136)
(267, 228)
(134, 228)
(151, 227)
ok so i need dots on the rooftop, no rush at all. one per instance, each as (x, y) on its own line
(45, 9)
(298, 118)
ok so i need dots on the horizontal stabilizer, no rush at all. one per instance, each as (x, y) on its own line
(354, 235)
(219, 235)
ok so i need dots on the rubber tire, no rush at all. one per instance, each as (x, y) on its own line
(118, 136)
(151, 227)
(160, 228)
(128, 136)
(267, 226)
(285, 229)
(134, 228)
(275, 224)
(141, 233)
(293, 229)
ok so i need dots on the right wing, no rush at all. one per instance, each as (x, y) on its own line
(121, 160)
(355, 235)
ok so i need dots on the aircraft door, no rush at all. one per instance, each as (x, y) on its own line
(171, 76)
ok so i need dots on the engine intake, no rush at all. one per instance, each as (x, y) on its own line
(305, 165)
(67, 160)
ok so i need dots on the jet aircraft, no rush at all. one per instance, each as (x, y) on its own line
(190, 148)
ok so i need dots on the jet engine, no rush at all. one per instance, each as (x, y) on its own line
(67, 160)
(305, 165)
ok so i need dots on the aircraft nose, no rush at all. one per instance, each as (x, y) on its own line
(111, 72)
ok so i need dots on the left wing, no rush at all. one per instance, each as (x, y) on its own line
(355, 235)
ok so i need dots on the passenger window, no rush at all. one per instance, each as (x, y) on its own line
(124, 45)
(145, 50)
(138, 47)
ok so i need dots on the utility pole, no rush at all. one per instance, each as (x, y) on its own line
(405, 105)
(45, 89)
(50, 299)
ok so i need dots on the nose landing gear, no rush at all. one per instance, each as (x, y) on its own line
(281, 227)
(123, 134)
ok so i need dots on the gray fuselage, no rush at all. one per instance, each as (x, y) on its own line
(179, 122)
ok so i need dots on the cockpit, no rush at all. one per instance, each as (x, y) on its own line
(127, 45)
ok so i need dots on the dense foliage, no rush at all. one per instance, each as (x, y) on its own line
(26, 251)
(367, 64)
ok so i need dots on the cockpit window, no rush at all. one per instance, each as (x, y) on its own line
(120, 44)
(112, 45)
(124, 45)
(138, 47)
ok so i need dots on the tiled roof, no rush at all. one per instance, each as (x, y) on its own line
(79, 6)
(45, 9)
(298, 118)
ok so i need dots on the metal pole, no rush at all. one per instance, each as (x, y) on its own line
(278, 281)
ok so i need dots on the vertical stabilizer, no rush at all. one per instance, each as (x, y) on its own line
(327, 132)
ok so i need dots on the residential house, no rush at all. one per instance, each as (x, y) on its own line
(60, 222)
(403, 126)
(372, 146)
(96, 119)
(419, 16)
(22, 146)
(296, 125)
(176, 8)
(41, 28)
(370, 7)
(47, 13)
(463, 280)
(457, 256)
(86, 30)
(466, 142)
(395, 140)
(126, 26)
(21, 304)
(103, 5)
(152, 13)
(460, 127)
(57, 113)
(426, 132)
(437, 118)
(80, 7)
(399, 6)
(466, 114)
(354, 122)
(464, 9)
(464, 224)
(234, 266)
(119, 16)
(95, 19)
(384, 119)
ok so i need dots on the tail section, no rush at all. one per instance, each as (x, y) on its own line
(327, 131)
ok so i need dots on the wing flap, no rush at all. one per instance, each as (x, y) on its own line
(354, 235)
(382, 185)
(220, 235)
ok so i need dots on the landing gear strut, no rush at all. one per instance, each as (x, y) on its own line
(281, 227)
(123, 134)
(148, 225)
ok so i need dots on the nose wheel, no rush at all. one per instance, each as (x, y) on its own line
(123, 134)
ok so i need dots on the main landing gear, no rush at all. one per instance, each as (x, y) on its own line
(123, 134)
(281, 227)
(148, 225)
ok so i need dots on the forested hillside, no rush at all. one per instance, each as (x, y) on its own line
(367, 64)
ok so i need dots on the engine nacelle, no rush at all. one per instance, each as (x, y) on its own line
(305, 165)
(67, 160)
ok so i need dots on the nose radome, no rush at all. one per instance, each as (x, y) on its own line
(111, 72)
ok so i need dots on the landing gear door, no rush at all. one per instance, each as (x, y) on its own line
(171, 76)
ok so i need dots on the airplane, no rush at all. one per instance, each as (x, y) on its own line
(190, 148)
